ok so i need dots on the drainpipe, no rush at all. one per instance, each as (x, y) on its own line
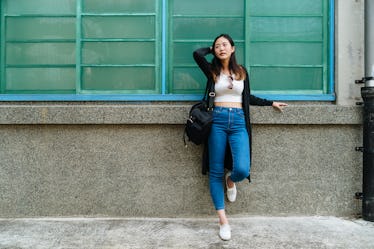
(367, 94)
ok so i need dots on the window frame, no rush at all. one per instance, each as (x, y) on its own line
(164, 84)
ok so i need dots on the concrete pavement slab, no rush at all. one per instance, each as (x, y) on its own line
(147, 233)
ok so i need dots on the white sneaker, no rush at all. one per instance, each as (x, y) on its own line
(230, 192)
(225, 232)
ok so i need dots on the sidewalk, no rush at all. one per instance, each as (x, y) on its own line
(247, 232)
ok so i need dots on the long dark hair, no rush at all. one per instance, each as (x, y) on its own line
(238, 70)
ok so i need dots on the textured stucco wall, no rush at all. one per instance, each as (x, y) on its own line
(303, 162)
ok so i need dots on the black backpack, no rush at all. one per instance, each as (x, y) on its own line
(200, 118)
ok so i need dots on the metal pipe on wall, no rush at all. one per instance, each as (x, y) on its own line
(367, 93)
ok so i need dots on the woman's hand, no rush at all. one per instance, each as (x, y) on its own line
(279, 106)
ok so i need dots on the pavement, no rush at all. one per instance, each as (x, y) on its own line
(144, 233)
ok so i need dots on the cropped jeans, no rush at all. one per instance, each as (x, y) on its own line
(228, 127)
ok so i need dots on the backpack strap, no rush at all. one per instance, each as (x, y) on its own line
(209, 95)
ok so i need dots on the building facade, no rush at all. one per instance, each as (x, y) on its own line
(94, 96)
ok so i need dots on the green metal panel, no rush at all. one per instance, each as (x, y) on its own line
(183, 52)
(40, 79)
(284, 49)
(187, 78)
(57, 46)
(286, 7)
(118, 78)
(286, 29)
(286, 78)
(40, 7)
(120, 47)
(119, 6)
(195, 24)
(207, 8)
(130, 27)
(118, 53)
(95, 46)
(290, 53)
(40, 28)
(287, 45)
(208, 27)
(40, 53)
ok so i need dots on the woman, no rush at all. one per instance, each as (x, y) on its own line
(230, 134)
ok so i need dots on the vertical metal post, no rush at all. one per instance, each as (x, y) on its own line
(78, 48)
(368, 155)
(367, 93)
(2, 46)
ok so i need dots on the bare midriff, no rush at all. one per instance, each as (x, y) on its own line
(228, 104)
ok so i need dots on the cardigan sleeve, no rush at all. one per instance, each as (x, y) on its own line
(199, 57)
(253, 100)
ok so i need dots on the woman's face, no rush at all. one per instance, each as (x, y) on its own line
(223, 49)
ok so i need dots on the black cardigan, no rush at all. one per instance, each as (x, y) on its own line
(247, 100)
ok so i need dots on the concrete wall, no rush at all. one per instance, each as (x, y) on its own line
(130, 160)
(349, 50)
(123, 159)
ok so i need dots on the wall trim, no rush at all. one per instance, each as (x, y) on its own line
(161, 113)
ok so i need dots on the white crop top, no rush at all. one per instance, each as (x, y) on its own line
(224, 93)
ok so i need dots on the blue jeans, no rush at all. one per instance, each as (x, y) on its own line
(228, 126)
